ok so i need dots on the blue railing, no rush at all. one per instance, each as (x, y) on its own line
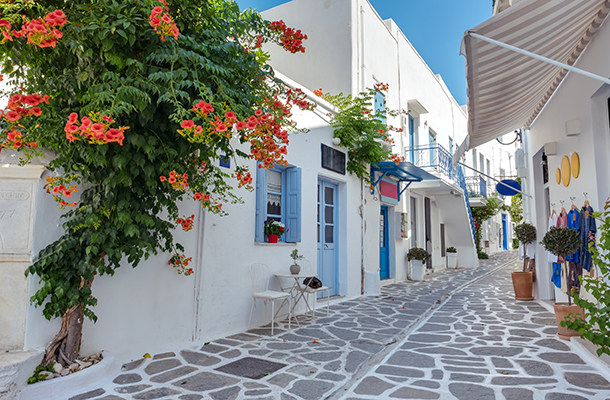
(477, 187)
(438, 157)
(435, 156)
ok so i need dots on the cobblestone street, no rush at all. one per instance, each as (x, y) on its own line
(445, 338)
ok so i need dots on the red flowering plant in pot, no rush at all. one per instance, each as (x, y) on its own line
(274, 230)
(563, 242)
(522, 281)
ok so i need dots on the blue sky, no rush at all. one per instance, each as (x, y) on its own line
(434, 27)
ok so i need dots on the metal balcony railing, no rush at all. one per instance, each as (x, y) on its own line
(477, 187)
(438, 158)
(432, 157)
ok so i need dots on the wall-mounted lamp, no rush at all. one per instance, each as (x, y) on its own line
(336, 141)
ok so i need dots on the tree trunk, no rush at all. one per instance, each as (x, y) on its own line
(65, 346)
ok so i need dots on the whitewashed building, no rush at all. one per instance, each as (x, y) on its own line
(564, 115)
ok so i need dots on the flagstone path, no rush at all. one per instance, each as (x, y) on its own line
(479, 343)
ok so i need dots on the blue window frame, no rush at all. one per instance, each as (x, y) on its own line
(380, 105)
(412, 139)
(278, 196)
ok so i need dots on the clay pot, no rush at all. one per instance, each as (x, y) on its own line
(295, 269)
(561, 311)
(522, 284)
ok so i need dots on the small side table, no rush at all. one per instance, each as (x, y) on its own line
(296, 290)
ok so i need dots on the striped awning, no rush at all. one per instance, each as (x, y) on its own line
(507, 90)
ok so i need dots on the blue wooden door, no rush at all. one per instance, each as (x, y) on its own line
(327, 236)
(504, 236)
(384, 256)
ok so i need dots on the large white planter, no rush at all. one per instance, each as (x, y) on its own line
(418, 270)
(452, 260)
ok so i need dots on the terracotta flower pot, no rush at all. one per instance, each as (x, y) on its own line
(522, 284)
(561, 311)
(272, 238)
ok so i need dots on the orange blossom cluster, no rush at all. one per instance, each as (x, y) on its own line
(60, 187)
(41, 32)
(178, 181)
(186, 222)
(163, 22)
(19, 107)
(292, 40)
(95, 129)
(180, 262)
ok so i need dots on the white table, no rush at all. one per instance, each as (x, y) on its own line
(296, 290)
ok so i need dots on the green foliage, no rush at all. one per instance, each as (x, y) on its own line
(483, 213)
(594, 326)
(561, 241)
(516, 206)
(526, 233)
(482, 255)
(418, 253)
(296, 256)
(361, 130)
(111, 61)
(515, 243)
(451, 250)
(37, 377)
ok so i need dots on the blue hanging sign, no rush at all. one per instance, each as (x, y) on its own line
(508, 187)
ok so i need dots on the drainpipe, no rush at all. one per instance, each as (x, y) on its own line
(362, 193)
(197, 300)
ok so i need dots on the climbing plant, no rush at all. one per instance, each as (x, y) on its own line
(138, 100)
(483, 213)
(362, 130)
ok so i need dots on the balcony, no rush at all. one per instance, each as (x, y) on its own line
(433, 158)
(477, 187)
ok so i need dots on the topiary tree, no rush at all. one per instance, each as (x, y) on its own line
(138, 100)
(526, 234)
(562, 242)
(594, 326)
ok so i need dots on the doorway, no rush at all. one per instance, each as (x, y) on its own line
(327, 235)
(384, 254)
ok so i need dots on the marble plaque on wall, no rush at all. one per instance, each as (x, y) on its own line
(16, 216)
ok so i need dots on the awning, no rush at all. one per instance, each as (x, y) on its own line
(403, 172)
(507, 90)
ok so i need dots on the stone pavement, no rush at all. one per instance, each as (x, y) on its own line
(478, 344)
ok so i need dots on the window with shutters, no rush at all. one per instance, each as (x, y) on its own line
(278, 196)
(379, 105)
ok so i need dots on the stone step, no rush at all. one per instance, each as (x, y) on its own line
(15, 369)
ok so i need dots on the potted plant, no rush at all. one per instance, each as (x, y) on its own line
(295, 268)
(417, 256)
(563, 242)
(451, 257)
(522, 281)
(594, 324)
(274, 229)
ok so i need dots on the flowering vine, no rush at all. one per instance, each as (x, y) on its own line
(41, 32)
(95, 128)
(162, 22)
(60, 187)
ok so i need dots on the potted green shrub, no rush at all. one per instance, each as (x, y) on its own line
(295, 268)
(522, 281)
(451, 257)
(563, 242)
(417, 257)
(594, 324)
(274, 230)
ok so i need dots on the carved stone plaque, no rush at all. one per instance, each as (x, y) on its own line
(16, 216)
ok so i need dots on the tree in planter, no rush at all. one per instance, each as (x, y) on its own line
(419, 254)
(138, 101)
(361, 130)
(483, 213)
(594, 325)
(526, 234)
(562, 242)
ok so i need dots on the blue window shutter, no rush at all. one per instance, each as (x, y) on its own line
(380, 104)
(261, 201)
(293, 205)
